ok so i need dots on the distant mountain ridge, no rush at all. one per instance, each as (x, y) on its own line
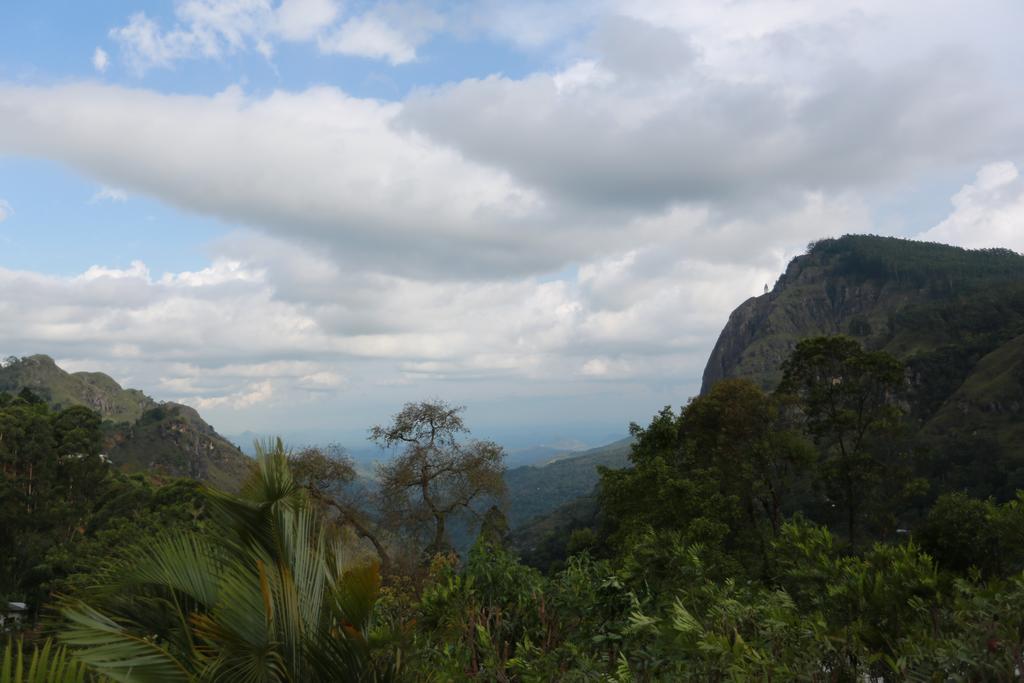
(536, 490)
(139, 432)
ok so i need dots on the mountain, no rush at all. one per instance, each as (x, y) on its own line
(891, 294)
(954, 316)
(139, 433)
(544, 500)
(61, 389)
(536, 491)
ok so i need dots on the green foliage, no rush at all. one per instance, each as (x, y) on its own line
(137, 433)
(50, 475)
(263, 594)
(438, 475)
(40, 377)
(918, 263)
(708, 560)
(964, 533)
(847, 398)
(720, 474)
(46, 664)
(534, 491)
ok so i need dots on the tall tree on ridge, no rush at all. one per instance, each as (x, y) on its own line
(437, 475)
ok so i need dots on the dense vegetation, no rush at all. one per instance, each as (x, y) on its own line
(797, 535)
(63, 509)
(930, 264)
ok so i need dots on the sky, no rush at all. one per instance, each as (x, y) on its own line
(297, 215)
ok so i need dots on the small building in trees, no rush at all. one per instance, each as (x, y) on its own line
(13, 616)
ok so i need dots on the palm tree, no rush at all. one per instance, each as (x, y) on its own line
(263, 594)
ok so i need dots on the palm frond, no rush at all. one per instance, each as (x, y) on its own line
(47, 664)
(113, 650)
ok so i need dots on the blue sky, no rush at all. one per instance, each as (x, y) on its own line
(296, 215)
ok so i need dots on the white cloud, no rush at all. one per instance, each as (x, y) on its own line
(369, 36)
(215, 29)
(347, 177)
(300, 20)
(137, 271)
(986, 213)
(100, 60)
(253, 394)
(5, 211)
(587, 73)
(144, 45)
(110, 194)
(584, 228)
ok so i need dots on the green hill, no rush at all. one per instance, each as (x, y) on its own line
(534, 491)
(140, 433)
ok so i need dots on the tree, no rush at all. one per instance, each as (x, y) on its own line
(760, 457)
(49, 479)
(961, 532)
(721, 474)
(847, 397)
(327, 474)
(437, 475)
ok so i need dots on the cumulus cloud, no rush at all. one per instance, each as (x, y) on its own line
(583, 228)
(347, 177)
(508, 176)
(986, 213)
(253, 394)
(690, 136)
(5, 211)
(269, 321)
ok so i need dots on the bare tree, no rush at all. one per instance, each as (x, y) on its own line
(437, 475)
(327, 473)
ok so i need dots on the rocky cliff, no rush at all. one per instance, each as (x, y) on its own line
(888, 293)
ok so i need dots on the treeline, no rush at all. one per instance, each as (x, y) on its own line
(926, 264)
(788, 536)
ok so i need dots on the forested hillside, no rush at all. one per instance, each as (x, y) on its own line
(139, 433)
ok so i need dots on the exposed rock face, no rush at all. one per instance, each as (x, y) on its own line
(140, 433)
(854, 286)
